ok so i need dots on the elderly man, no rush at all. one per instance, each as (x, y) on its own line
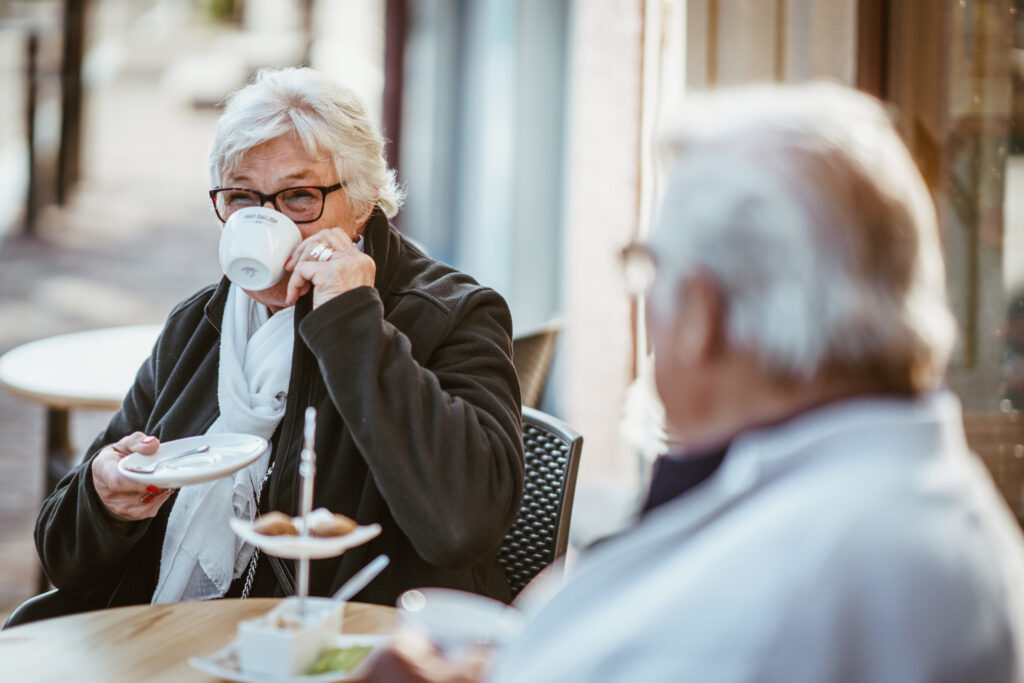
(825, 521)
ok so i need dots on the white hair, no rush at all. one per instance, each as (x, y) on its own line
(806, 209)
(327, 117)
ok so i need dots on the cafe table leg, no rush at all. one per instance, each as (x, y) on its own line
(59, 456)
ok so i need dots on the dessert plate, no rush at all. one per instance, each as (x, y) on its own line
(296, 547)
(224, 663)
(224, 454)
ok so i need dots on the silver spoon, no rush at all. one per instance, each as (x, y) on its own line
(360, 579)
(150, 469)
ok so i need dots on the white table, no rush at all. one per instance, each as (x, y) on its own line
(92, 369)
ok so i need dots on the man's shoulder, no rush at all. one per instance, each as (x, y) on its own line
(893, 533)
(867, 489)
(901, 507)
(908, 577)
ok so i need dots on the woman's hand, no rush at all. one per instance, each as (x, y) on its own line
(125, 499)
(343, 268)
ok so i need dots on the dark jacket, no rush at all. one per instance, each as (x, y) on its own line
(418, 430)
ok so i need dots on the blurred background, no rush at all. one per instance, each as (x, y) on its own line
(521, 130)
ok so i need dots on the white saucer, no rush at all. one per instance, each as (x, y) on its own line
(224, 663)
(227, 453)
(296, 547)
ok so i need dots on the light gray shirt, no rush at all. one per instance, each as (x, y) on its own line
(858, 542)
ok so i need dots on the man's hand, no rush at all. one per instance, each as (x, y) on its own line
(410, 658)
(126, 500)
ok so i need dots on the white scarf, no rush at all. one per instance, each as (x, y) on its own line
(201, 554)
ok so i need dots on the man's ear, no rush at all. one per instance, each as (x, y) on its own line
(699, 319)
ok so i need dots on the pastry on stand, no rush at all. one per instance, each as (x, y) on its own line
(287, 640)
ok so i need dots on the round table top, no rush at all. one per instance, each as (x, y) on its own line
(91, 369)
(149, 643)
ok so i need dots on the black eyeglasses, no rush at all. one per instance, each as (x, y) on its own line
(303, 204)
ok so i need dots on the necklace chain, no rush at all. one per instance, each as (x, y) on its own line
(251, 572)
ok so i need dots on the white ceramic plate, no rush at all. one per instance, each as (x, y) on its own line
(296, 547)
(227, 453)
(224, 663)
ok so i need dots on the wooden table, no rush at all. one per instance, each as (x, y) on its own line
(92, 369)
(150, 643)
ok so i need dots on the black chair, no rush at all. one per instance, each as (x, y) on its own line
(532, 352)
(540, 534)
(53, 603)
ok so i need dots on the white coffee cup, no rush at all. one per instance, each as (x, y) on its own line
(456, 621)
(254, 245)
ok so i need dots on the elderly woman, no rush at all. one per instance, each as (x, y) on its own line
(406, 360)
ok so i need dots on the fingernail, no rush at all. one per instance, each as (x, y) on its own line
(154, 489)
(148, 439)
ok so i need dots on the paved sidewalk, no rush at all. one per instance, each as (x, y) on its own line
(136, 238)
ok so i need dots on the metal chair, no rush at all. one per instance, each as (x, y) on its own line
(53, 603)
(532, 352)
(540, 534)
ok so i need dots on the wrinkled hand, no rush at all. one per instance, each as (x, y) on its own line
(346, 269)
(410, 658)
(125, 499)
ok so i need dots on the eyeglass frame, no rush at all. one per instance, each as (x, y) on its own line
(626, 254)
(272, 198)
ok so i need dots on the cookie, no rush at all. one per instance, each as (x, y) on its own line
(275, 524)
(335, 525)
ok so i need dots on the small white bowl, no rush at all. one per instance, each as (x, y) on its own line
(456, 620)
(280, 644)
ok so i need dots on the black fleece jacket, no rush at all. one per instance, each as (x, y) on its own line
(418, 430)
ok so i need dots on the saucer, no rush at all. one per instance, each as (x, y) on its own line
(227, 453)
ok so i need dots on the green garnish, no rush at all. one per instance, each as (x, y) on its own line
(340, 659)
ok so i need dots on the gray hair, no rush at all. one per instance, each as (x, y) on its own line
(327, 117)
(806, 209)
